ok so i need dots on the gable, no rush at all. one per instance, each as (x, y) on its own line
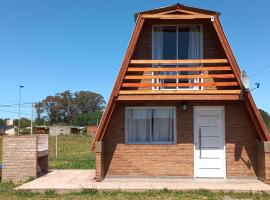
(134, 73)
(178, 8)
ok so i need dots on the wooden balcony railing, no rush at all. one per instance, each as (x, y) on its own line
(150, 76)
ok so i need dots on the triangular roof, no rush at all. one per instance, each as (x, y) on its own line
(184, 12)
(179, 7)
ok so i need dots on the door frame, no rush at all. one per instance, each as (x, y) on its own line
(223, 136)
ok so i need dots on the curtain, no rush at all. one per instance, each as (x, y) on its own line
(157, 48)
(158, 43)
(194, 50)
(138, 125)
(163, 125)
(141, 122)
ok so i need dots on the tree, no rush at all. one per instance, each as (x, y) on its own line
(92, 118)
(2, 122)
(70, 108)
(24, 122)
(87, 102)
(266, 118)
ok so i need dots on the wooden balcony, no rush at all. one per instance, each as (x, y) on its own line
(180, 77)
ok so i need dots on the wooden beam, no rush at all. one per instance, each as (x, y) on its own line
(178, 69)
(167, 16)
(190, 61)
(190, 12)
(150, 97)
(181, 11)
(140, 85)
(193, 92)
(227, 49)
(204, 76)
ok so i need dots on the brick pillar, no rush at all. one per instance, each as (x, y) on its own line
(19, 157)
(263, 161)
(99, 162)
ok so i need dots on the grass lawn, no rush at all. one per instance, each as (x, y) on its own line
(7, 192)
(73, 152)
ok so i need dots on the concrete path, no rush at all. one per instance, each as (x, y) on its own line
(75, 180)
(61, 181)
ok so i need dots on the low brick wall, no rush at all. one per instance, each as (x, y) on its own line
(20, 156)
(263, 160)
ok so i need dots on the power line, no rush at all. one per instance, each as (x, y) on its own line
(259, 71)
(13, 106)
(14, 112)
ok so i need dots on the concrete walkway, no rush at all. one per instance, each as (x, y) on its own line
(75, 180)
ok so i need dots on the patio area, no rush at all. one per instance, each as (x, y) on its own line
(65, 181)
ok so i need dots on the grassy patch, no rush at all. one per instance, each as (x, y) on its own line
(73, 152)
(7, 192)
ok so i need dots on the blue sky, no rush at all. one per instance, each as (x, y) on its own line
(56, 45)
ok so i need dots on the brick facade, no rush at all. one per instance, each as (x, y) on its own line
(122, 159)
(241, 136)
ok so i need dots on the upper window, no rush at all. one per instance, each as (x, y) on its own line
(150, 125)
(175, 43)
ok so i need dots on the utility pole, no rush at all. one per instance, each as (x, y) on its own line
(32, 118)
(20, 96)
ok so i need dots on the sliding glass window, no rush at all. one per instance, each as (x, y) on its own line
(175, 43)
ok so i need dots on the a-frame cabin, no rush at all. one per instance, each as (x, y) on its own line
(178, 107)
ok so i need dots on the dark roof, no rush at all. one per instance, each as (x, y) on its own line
(175, 6)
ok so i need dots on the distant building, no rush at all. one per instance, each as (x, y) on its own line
(92, 130)
(41, 130)
(64, 130)
(9, 122)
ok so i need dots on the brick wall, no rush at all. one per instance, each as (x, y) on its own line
(263, 160)
(177, 160)
(24, 156)
(19, 157)
(240, 142)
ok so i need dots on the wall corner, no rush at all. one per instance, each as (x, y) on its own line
(99, 161)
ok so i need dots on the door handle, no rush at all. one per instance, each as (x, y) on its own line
(200, 142)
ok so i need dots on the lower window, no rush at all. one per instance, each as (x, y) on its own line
(150, 125)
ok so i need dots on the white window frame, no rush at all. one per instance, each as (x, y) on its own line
(151, 142)
(201, 45)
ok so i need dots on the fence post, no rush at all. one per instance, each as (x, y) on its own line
(56, 147)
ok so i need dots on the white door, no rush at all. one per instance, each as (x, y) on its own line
(209, 145)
